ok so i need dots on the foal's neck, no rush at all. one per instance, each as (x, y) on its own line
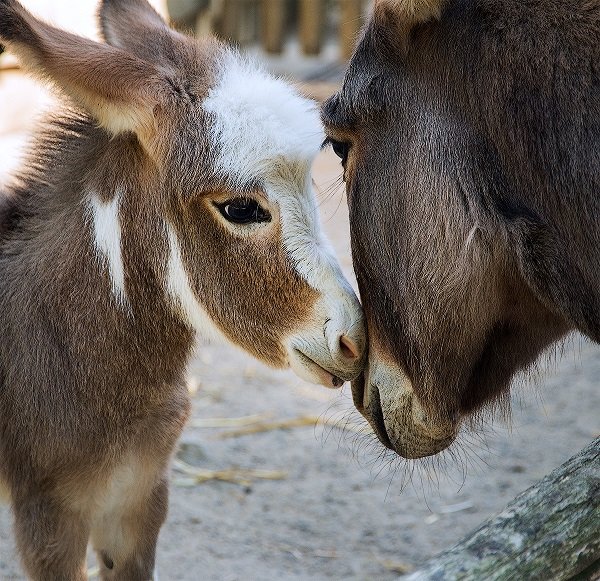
(86, 250)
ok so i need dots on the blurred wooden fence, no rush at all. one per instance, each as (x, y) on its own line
(271, 21)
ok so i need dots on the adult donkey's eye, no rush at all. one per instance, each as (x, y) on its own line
(340, 148)
(243, 211)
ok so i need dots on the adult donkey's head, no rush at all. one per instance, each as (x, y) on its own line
(469, 134)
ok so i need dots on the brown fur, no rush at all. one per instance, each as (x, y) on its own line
(91, 393)
(473, 178)
(411, 12)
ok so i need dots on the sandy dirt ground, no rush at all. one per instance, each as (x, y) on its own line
(341, 508)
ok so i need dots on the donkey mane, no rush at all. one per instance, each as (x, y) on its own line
(61, 144)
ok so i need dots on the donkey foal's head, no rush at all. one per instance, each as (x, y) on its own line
(202, 162)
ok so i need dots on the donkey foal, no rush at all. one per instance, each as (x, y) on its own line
(173, 200)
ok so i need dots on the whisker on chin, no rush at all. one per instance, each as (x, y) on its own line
(469, 453)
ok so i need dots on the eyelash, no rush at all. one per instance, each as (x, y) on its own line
(340, 148)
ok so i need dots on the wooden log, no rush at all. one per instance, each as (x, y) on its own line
(350, 23)
(549, 532)
(273, 25)
(311, 19)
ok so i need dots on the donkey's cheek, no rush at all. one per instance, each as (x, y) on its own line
(245, 287)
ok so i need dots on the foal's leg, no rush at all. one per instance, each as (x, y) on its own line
(126, 536)
(52, 540)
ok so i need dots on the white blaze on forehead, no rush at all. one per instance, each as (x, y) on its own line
(264, 131)
(259, 123)
(107, 240)
(181, 293)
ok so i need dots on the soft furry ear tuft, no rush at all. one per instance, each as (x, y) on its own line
(413, 12)
(134, 26)
(118, 89)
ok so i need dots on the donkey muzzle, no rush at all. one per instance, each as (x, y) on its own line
(385, 398)
(334, 350)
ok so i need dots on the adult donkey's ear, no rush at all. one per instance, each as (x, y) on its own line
(135, 26)
(410, 12)
(116, 88)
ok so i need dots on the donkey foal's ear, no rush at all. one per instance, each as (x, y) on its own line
(116, 88)
(133, 25)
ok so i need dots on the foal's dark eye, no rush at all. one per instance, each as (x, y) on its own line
(243, 211)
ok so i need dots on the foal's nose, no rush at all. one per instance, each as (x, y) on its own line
(347, 346)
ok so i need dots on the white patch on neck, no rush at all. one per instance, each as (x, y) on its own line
(179, 289)
(107, 240)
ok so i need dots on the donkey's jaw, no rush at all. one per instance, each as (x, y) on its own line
(385, 397)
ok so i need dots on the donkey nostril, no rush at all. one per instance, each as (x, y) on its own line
(349, 348)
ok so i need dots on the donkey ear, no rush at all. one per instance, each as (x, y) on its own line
(133, 25)
(118, 89)
(411, 12)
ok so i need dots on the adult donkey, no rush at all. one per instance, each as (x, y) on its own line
(469, 134)
(174, 201)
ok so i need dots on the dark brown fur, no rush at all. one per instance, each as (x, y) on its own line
(473, 182)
